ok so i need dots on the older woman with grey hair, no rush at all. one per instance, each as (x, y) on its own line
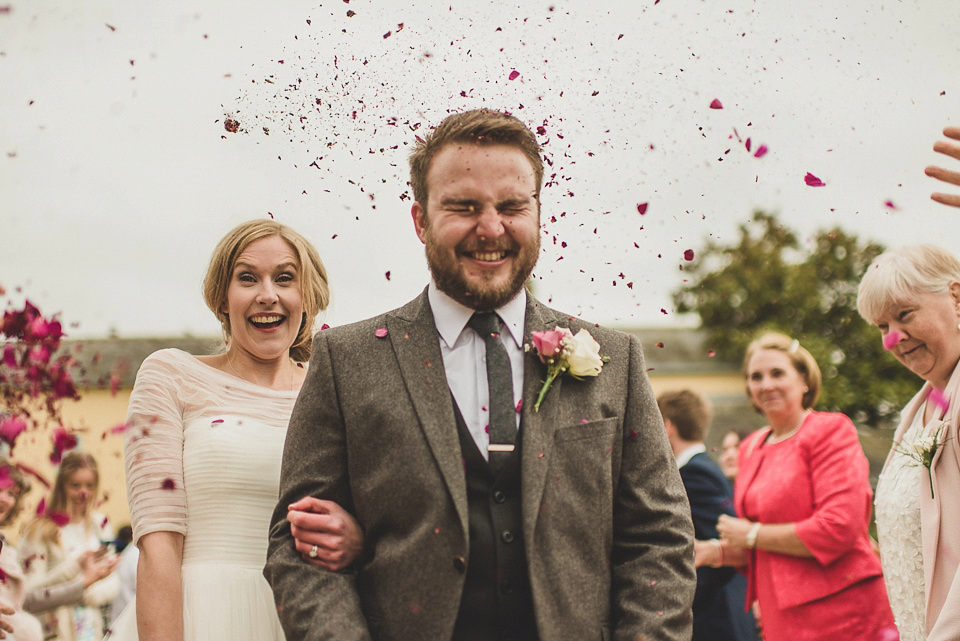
(912, 295)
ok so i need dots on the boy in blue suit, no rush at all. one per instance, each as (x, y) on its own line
(718, 606)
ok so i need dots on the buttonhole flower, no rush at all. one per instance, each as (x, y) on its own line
(563, 352)
(923, 449)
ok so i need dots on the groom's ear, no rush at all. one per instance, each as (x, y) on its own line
(419, 215)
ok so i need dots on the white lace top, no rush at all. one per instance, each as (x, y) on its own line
(898, 528)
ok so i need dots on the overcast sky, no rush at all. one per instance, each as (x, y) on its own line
(117, 176)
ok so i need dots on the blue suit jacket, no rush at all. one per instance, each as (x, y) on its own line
(718, 606)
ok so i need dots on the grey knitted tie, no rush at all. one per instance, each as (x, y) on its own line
(503, 426)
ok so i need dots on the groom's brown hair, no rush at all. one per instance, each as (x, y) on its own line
(476, 127)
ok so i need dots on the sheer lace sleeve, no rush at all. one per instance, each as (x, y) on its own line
(153, 448)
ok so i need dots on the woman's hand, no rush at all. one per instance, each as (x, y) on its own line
(96, 565)
(947, 176)
(734, 531)
(707, 553)
(5, 627)
(325, 534)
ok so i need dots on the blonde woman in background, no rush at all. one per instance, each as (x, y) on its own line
(17, 624)
(63, 553)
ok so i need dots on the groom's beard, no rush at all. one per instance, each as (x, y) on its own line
(483, 292)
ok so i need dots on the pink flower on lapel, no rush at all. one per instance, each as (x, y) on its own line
(562, 352)
(550, 343)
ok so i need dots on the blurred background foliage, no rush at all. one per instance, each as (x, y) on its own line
(767, 281)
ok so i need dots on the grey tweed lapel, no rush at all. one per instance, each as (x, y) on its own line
(415, 340)
(537, 427)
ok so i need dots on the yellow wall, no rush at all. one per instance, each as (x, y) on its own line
(91, 419)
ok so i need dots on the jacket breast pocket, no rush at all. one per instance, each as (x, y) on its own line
(579, 487)
(604, 428)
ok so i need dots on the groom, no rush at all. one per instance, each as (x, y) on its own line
(485, 519)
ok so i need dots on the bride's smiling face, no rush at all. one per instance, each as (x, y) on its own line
(264, 301)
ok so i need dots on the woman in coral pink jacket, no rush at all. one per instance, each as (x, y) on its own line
(804, 499)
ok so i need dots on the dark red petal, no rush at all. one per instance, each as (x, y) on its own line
(642, 208)
(716, 104)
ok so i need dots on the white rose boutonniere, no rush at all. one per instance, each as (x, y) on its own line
(922, 451)
(562, 351)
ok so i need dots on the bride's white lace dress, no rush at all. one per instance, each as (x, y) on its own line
(203, 452)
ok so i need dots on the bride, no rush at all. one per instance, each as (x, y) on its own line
(203, 447)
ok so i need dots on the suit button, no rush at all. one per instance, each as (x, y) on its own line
(507, 536)
(459, 564)
(507, 587)
(498, 497)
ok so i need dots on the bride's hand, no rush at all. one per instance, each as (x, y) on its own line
(324, 533)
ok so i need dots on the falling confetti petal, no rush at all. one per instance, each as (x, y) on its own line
(514, 74)
(716, 104)
(381, 333)
(688, 254)
(938, 398)
(761, 151)
(890, 204)
(813, 181)
(168, 484)
(891, 339)
(642, 208)
(10, 428)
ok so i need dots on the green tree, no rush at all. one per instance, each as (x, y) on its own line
(768, 281)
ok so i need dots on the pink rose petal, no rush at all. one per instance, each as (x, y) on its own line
(642, 208)
(747, 144)
(688, 254)
(514, 74)
(381, 333)
(891, 339)
(519, 406)
(813, 181)
(938, 398)
(715, 104)
(10, 428)
(760, 152)
(119, 429)
(890, 204)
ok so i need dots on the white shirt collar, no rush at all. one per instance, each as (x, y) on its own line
(689, 453)
(451, 317)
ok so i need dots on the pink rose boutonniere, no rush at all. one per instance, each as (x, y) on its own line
(561, 352)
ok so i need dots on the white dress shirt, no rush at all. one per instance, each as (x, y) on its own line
(689, 453)
(465, 358)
